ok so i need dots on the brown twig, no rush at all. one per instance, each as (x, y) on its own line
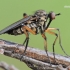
(35, 59)
(6, 66)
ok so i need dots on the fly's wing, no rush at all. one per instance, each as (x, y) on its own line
(15, 25)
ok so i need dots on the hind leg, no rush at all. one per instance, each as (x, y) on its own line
(25, 29)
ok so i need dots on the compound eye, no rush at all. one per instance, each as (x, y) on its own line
(52, 15)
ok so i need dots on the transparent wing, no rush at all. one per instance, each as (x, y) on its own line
(15, 25)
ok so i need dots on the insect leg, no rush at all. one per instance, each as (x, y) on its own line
(27, 35)
(57, 35)
(45, 46)
(53, 33)
(25, 29)
(26, 40)
(61, 44)
(28, 29)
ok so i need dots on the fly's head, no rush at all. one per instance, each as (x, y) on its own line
(52, 15)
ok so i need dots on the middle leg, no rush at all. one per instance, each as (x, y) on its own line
(45, 47)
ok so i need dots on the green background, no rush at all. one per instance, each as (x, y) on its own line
(12, 10)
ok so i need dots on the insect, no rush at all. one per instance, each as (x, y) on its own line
(34, 24)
